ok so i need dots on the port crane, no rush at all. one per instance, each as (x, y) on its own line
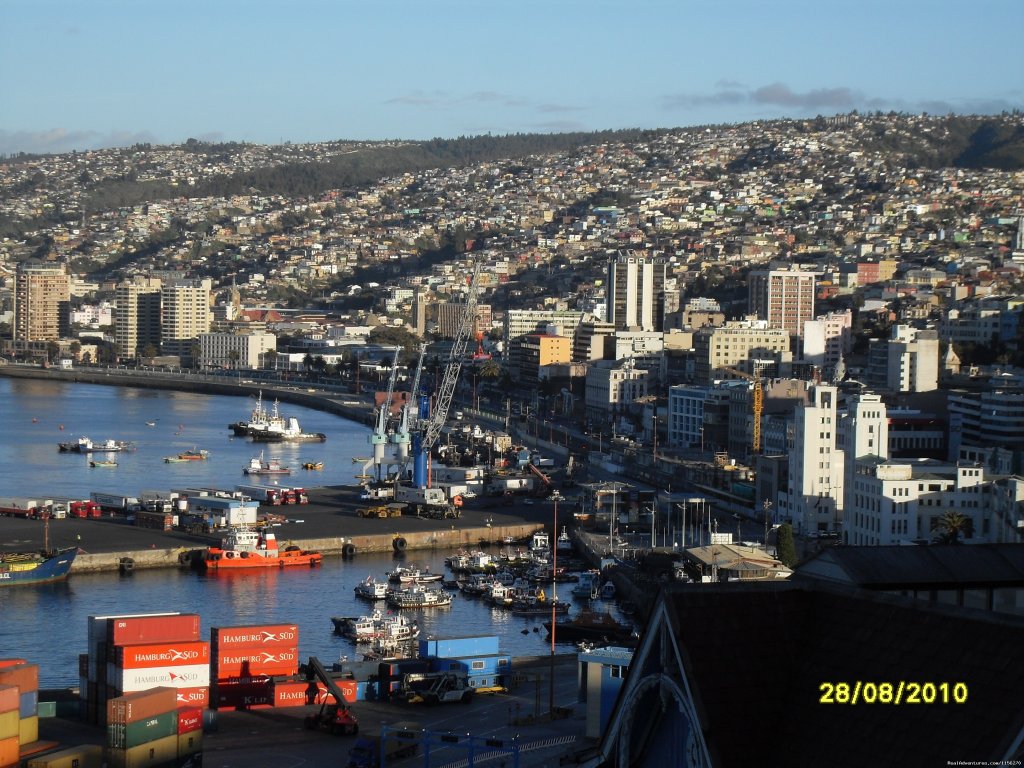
(379, 437)
(402, 436)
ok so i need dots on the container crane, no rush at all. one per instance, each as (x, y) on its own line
(432, 420)
(379, 437)
(402, 436)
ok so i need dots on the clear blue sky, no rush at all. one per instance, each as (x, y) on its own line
(89, 73)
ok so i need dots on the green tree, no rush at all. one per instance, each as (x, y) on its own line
(52, 350)
(950, 526)
(785, 548)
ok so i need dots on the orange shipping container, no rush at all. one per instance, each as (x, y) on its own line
(292, 694)
(9, 698)
(9, 752)
(194, 697)
(258, 636)
(153, 629)
(254, 662)
(12, 662)
(133, 707)
(348, 690)
(151, 655)
(25, 676)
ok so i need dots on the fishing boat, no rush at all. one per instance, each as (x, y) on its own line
(588, 585)
(564, 544)
(316, 465)
(291, 432)
(371, 589)
(85, 445)
(18, 568)
(106, 464)
(194, 455)
(413, 575)
(376, 626)
(539, 607)
(418, 596)
(175, 460)
(257, 466)
(245, 548)
(590, 625)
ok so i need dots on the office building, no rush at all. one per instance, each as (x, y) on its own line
(783, 297)
(906, 362)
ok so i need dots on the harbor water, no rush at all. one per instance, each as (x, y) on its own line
(47, 623)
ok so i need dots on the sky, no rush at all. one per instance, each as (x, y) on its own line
(83, 74)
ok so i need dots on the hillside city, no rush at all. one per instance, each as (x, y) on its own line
(701, 298)
(808, 331)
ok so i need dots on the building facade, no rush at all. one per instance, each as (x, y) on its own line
(184, 315)
(42, 302)
(636, 292)
(814, 501)
(234, 350)
(137, 316)
(734, 345)
(783, 297)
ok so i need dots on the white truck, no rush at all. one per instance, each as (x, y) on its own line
(427, 502)
(112, 502)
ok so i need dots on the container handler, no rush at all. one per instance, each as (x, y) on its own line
(335, 715)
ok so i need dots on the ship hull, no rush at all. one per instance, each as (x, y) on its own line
(46, 571)
(220, 561)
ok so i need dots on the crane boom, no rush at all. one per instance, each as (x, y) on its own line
(439, 413)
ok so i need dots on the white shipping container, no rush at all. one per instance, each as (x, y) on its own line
(179, 676)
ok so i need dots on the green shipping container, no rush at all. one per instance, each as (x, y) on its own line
(84, 756)
(156, 753)
(121, 736)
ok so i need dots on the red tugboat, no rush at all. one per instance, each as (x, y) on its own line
(244, 548)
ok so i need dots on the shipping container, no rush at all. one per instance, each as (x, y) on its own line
(12, 662)
(190, 719)
(257, 636)
(133, 707)
(9, 724)
(28, 729)
(153, 629)
(9, 751)
(159, 521)
(156, 753)
(177, 676)
(83, 756)
(149, 655)
(25, 676)
(190, 743)
(28, 703)
(242, 695)
(128, 735)
(457, 647)
(9, 698)
(291, 694)
(194, 697)
(49, 709)
(247, 662)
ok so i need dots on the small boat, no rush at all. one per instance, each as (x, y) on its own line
(245, 548)
(313, 465)
(290, 432)
(564, 544)
(413, 575)
(260, 420)
(151, 423)
(607, 591)
(19, 568)
(85, 445)
(418, 596)
(587, 587)
(176, 460)
(257, 466)
(364, 629)
(94, 463)
(371, 589)
(194, 455)
(539, 608)
(589, 625)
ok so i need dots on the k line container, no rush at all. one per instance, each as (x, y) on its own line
(184, 676)
(133, 707)
(255, 636)
(156, 753)
(189, 720)
(83, 756)
(128, 735)
(151, 655)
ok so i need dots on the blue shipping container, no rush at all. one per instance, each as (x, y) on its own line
(459, 647)
(27, 704)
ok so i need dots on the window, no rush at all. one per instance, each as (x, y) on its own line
(477, 665)
(617, 671)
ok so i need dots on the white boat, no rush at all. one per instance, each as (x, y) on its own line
(259, 420)
(290, 432)
(257, 466)
(376, 626)
(607, 591)
(588, 585)
(418, 596)
(413, 575)
(371, 589)
(564, 543)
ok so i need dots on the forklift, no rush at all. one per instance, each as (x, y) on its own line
(335, 715)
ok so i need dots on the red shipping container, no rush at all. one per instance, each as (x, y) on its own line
(12, 662)
(291, 694)
(257, 636)
(347, 687)
(10, 695)
(150, 655)
(153, 629)
(194, 697)
(25, 676)
(250, 662)
(243, 695)
(190, 719)
(133, 707)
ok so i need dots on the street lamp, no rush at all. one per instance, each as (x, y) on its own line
(554, 608)
(767, 508)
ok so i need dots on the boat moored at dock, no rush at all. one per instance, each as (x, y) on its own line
(20, 568)
(418, 596)
(244, 548)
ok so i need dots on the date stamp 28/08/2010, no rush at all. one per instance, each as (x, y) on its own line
(893, 693)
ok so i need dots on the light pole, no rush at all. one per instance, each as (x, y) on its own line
(767, 509)
(554, 609)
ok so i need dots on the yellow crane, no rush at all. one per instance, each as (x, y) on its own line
(756, 403)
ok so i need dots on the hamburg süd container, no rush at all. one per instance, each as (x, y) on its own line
(255, 636)
(151, 655)
(251, 662)
(178, 676)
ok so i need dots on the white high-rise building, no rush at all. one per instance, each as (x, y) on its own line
(828, 338)
(636, 292)
(184, 315)
(864, 433)
(814, 500)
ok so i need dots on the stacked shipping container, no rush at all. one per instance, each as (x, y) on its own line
(245, 661)
(19, 703)
(145, 730)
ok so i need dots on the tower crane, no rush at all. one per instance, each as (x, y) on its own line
(756, 404)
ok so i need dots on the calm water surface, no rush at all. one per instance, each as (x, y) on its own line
(47, 624)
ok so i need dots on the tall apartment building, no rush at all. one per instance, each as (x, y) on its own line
(783, 297)
(520, 322)
(736, 343)
(636, 292)
(863, 433)
(906, 362)
(234, 350)
(137, 316)
(528, 353)
(42, 302)
(827, 339)
(184, 315)
(611, 386)
(449, 318)
(419, 313)
(814, 499)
